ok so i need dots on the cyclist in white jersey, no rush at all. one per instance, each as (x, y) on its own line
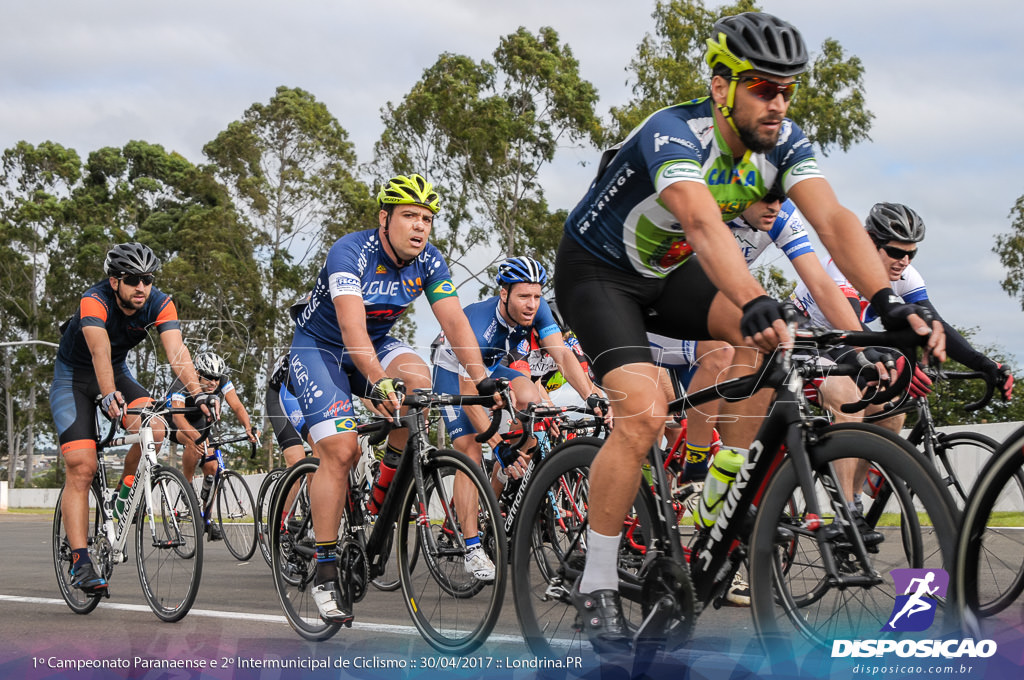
(624, 265)
(896, 231)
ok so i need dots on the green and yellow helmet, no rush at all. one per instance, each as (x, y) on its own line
(409, 190)
(756, 41)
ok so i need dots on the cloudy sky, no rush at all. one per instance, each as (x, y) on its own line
(943, 81)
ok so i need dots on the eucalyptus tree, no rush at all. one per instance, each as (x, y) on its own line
(482, 132)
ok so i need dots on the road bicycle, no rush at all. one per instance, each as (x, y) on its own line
(162, 512)
(990, 551)
(228, 499)
(362, 478)
(533, 417)
(786, 516)
(453, 611)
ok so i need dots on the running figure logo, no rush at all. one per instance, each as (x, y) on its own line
(914, 610)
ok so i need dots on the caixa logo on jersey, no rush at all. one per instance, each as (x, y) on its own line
(917, 600)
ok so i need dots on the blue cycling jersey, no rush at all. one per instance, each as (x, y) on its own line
(497, 339)
(358, 265)
(622, 220)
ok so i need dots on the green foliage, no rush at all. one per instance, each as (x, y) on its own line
(774, 281)
(1010, 249)
(481, 132)
(669, 68)
(950, 397)
(289, 170)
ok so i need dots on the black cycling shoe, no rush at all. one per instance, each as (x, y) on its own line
(213, 532)
(869, 536)
(599, 615)
(87, 580)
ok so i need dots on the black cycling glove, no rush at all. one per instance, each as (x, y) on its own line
(759, 314)
(893, 311)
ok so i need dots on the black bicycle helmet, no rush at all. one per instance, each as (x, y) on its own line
(755, 41)
(130, 258)
(894, 222)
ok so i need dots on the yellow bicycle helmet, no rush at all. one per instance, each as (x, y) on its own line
(409, 190)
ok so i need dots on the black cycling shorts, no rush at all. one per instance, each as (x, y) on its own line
(284, 430)
(73, 395)
(611, 310)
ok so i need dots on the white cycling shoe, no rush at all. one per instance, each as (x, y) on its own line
(479, 565)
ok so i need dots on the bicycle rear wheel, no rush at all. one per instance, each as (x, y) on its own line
(293, 552)
(263, 501)
(99, 553)
(236, 515)
(794, 603)
(453, 611)
(164, 534)
(549, 550)
(990, 552)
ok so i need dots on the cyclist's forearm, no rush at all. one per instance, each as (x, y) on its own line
(99, 347)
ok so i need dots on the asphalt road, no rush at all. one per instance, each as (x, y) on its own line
(237, 619)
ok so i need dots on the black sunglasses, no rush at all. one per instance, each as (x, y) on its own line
(898, 253)
(133, 280)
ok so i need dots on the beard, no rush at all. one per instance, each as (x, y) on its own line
(128, 304)
(752, 139)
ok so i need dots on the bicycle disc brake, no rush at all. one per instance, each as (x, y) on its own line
(354, 568)
(668, 605)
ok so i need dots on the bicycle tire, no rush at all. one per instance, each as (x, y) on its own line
(263, 501)
(956, 447)
(990, 558)
(293, 553)
(456, 625)
(549, 553)
(236, 515)
(170, 581)
(77, 601)
(857, 611)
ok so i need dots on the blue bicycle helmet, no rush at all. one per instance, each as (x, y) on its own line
(521, 270)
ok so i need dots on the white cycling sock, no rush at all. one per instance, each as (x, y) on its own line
(601, 570)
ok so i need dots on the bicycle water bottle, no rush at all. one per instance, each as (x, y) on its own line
(204, 494)
(873, 482)
(721, 475)
(122, 496)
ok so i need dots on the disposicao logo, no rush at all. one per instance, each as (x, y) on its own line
(914, 610)
(917, 593)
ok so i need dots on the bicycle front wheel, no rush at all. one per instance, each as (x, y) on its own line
(263, 501)
(549, 551)
(236, 515)
(99, 553)
(990, 553)
(961, 455)
(453, 610)
(169, 546)
(793, 595)
(293, 552)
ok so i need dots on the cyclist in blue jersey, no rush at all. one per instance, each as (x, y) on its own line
(342, 350)
(114, 316)
(213, 379)
(503, 325)
(624, 267)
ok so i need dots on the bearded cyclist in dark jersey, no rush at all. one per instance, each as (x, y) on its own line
(624, 265)
(113, 316)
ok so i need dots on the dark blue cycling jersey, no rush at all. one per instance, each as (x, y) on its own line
(622, 221)
(498, 340)
(99, 307)
(357, 265)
